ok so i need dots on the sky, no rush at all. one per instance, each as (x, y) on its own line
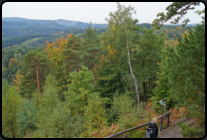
(89, 11)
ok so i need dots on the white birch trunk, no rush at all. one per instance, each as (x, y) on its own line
(135, 79)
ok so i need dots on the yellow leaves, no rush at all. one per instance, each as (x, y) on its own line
(69, 35)
(109, 47)
(111, 51)
(113, 28)
(13, 62)
(55, 49)
(17, 81)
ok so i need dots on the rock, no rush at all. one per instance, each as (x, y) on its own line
(171, 135)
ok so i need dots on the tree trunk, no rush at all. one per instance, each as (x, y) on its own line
(135, 79)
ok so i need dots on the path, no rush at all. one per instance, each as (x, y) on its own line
(173, 131)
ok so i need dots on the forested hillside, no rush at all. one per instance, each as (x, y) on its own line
(96, 82)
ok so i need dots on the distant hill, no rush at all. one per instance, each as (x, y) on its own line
(179, 24)
(16, 26)
(40, 22)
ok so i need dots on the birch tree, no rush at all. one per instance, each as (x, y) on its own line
(124, 27)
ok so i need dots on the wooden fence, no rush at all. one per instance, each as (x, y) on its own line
(136, 127)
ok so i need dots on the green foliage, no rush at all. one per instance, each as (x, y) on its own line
(127, 113)
(75, 126)
(176, 8)
(10, 104)
(112, 115)
(71, 54)
(18, 40)
(189, 131)
(114, 65)
(187, 76)
(46, 102)
(37, 58)
(96, 81)
(79, 90)
(138, 134)
(146, 56)
(95, 114)
(26, 117)
(90, 47)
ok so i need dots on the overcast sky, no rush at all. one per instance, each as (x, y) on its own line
(88, 11)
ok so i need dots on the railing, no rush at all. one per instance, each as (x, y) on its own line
(136, 127)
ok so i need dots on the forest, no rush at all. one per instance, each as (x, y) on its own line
(92, 83)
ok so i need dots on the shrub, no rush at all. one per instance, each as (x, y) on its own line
(138, 134)
(191, 132)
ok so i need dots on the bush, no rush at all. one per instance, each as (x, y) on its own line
(138, 134)
(192, 132)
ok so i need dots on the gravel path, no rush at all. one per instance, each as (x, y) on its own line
(173, 131)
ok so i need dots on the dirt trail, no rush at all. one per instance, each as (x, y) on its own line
(173, 131)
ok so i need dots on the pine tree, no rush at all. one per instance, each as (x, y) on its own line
(110, 74)
(26, 117)
(71, 55)
(187, 71)
(90, 47)
(146, 57)
(35, 68)
(79, 90)
(95, 114)
(45, 104)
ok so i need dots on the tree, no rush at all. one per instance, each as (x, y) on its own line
(173, 10)
(71, 55)
(79, 90)
(123, 25)
(162, 83)
(187, 71)
(13, 65)
(110, 72)
(94, 114)
(35, 68)
(26, 117)
(55, 53)
(90, 47)
(45, 104)
(146, 57)
(17, 80)
(10, 104)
